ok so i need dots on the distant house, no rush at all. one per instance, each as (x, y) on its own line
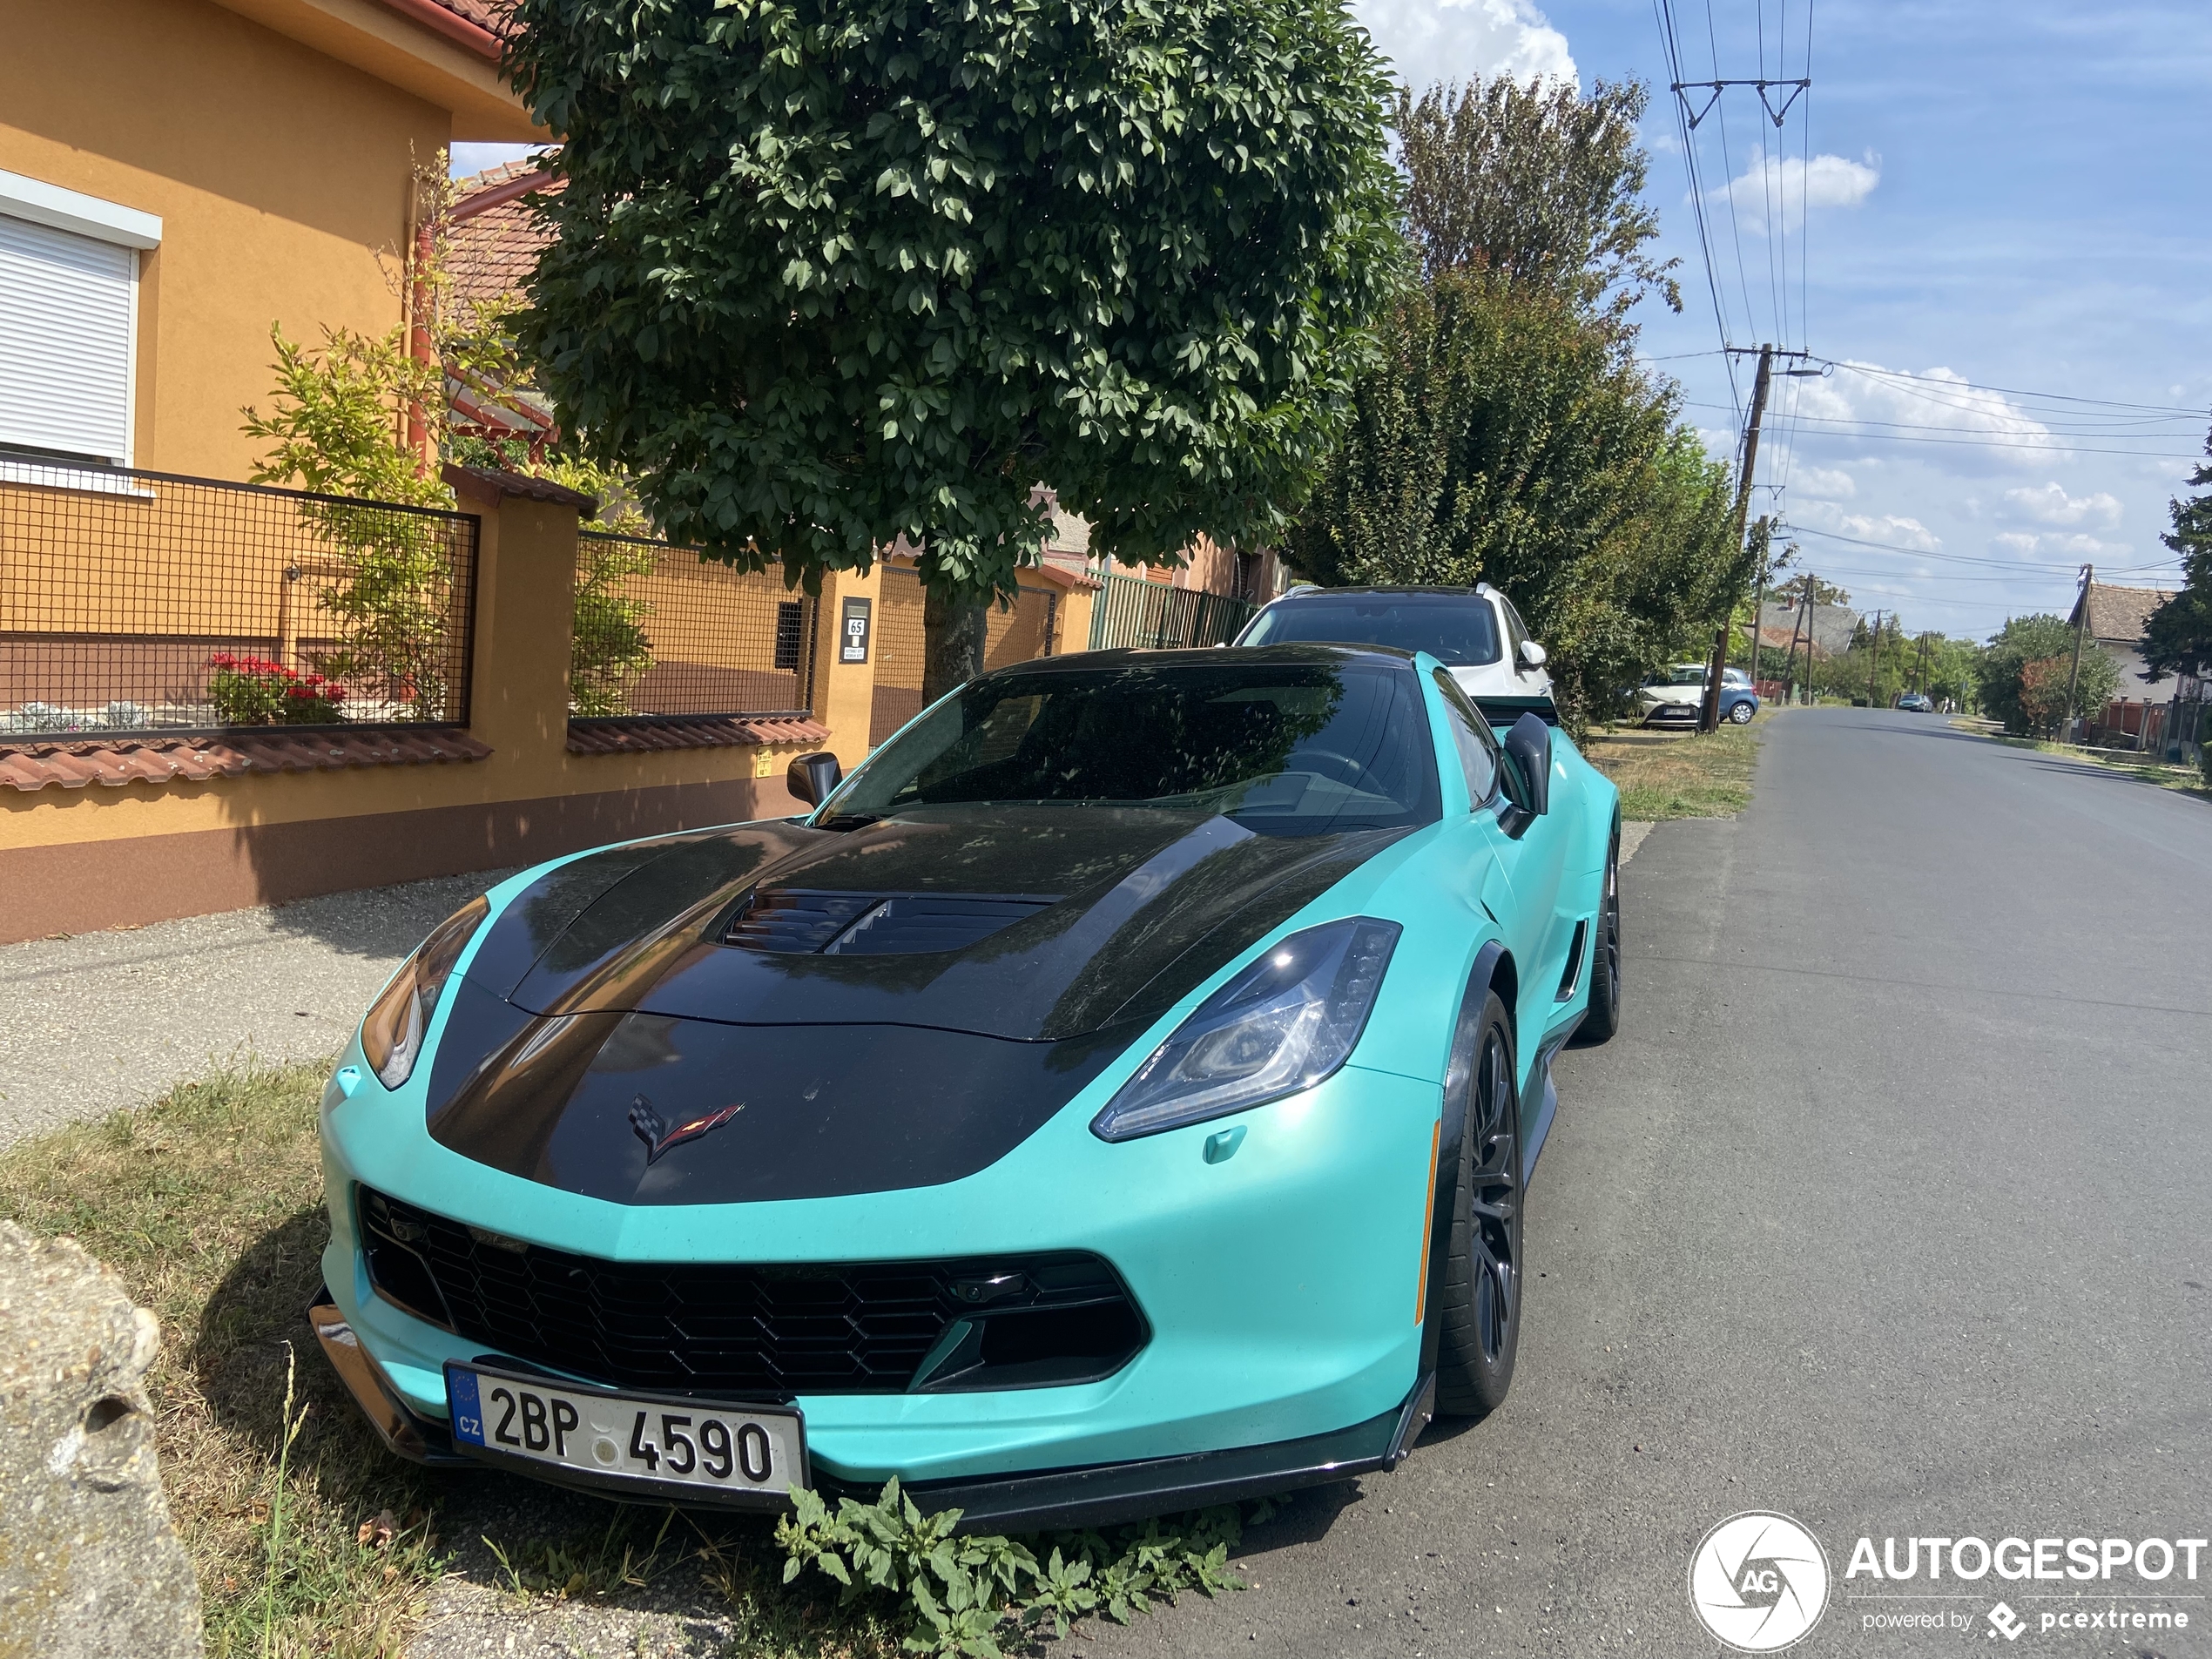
(2116, 617)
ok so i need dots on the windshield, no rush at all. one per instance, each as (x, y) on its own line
(1458, 630)
(1284, 748)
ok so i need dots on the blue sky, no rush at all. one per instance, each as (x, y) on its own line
(1991, 196)
(2001, 196)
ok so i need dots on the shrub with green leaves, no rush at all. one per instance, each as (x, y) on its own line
(964, 1595)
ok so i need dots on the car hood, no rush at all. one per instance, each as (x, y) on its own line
(1497, 680)
(1671, 694)
(1029, 923)
(894, 1005)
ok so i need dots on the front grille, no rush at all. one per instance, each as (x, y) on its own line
(730, 1329)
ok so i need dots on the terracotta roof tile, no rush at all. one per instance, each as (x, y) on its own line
(71, 763)
(2118, 613)
(689, 732)
(492, 249)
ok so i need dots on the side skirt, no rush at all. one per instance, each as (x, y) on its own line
(1537, 1128)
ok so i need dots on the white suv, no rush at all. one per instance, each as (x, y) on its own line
(1474, 631)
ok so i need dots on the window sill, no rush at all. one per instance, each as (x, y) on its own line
(72, 762)
(87, 480)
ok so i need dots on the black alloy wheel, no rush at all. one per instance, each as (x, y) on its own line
(1604, 1016)
(1480, 1299)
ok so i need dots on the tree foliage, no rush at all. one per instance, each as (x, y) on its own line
(1506, 439)
(2177, 638)
(1534, 184)
(2024, 700)
(829, 276)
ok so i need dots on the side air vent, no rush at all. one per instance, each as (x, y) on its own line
(1570, 978)
(874, 924)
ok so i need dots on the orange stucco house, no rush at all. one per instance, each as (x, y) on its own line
(176, 176)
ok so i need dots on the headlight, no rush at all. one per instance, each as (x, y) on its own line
(1283, 1024)
(392, 1032)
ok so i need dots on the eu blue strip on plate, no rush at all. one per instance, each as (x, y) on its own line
(468, 1412)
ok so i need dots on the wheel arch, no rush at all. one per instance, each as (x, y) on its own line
(1492, 970)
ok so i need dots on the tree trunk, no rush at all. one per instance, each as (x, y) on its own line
(952, 650)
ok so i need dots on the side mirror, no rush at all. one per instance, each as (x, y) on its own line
(1532, 653)
(811, 778)
(1529, 744)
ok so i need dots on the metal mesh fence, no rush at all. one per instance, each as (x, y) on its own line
(138, 602)
(661, 631)
(1012, 634)
(1130, 611)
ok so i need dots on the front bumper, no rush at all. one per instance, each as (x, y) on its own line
(1093, 1495)
(1280, 1298)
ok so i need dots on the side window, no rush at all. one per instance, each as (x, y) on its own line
(1471, 736)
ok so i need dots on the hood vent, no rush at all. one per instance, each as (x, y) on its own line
(874, 924)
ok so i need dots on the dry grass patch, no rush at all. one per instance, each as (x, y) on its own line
(1694, 774)
(209, 1203)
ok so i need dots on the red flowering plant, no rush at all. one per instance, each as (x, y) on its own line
(251, 690)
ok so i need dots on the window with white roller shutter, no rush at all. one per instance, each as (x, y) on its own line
(69, 306)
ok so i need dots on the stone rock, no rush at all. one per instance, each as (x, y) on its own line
(89, 1566)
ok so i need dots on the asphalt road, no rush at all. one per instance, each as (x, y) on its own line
(1890, 1209)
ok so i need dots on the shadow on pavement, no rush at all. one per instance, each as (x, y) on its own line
(381, 921)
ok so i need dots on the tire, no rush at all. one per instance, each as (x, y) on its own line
(1741, 714)
(1604, 1016)
(1479, 1301)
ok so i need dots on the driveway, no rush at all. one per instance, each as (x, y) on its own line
(97, 1021)
(1890, 1209)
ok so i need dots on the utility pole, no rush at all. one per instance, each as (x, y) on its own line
(2080, 626)
(1874, 668)
(1709, 717)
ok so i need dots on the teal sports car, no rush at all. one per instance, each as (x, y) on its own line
(1118, 1095)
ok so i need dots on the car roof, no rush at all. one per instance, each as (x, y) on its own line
(1211, 656)
(1303, 596)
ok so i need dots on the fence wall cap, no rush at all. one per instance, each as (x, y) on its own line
(643, 733)
(500, 482)
(67, 761)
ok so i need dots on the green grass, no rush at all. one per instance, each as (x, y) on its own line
(1692, 774)
(308, 1538)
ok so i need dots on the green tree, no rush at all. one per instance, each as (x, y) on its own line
(1534, 184)
(2177, 639)
(832, 276)
(2026, 640)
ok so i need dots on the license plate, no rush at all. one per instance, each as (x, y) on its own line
(733, 1450)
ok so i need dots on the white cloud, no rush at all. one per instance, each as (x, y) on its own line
(1822, 483)
(1892, 529)
(2053, 544)
(1784, 186)
(1458, 40)
(1935, 416)
(2050, 504)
